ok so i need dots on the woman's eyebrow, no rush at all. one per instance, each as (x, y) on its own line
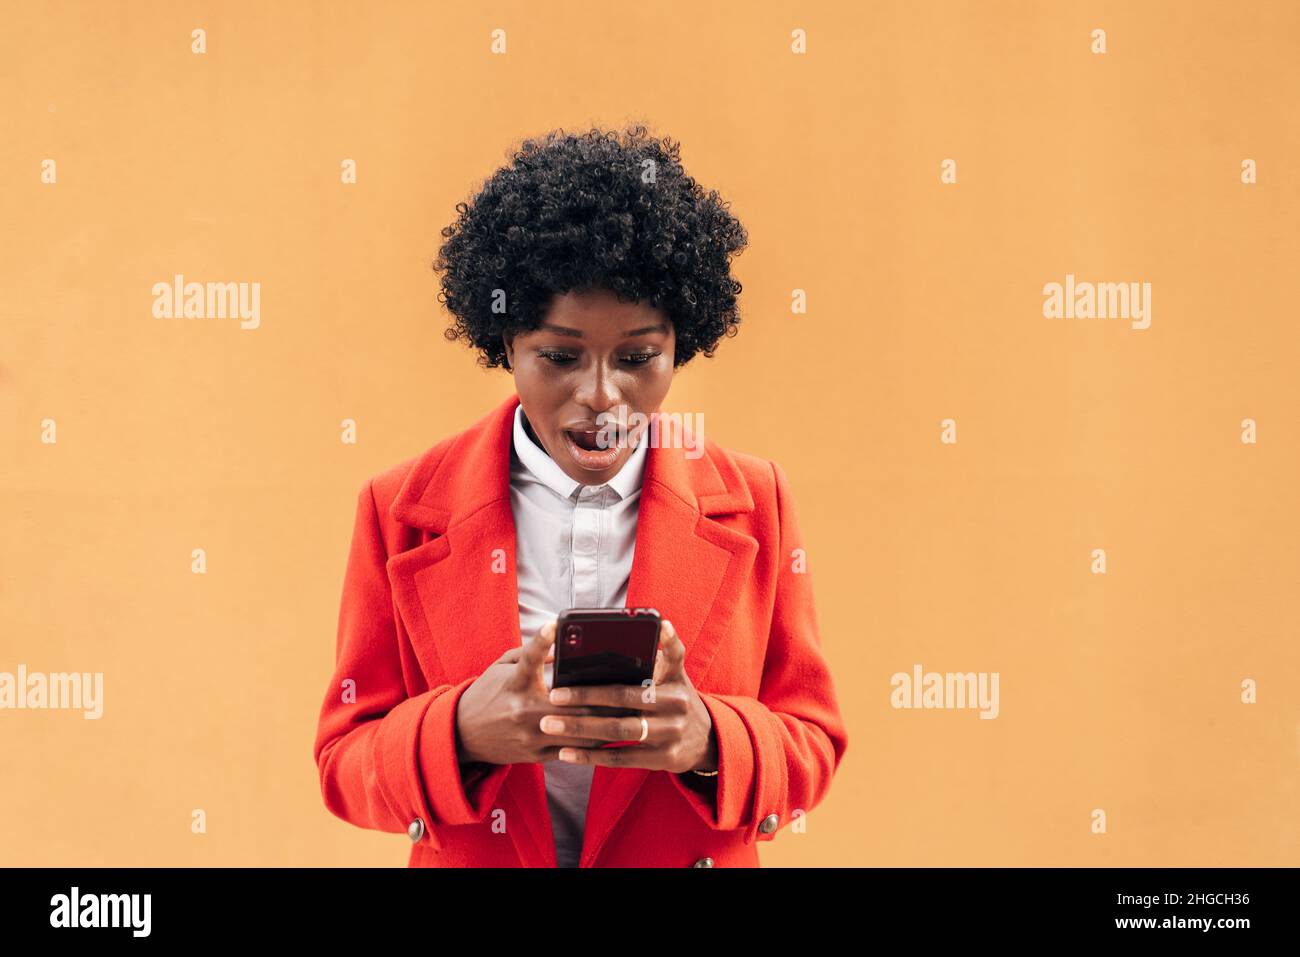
(657, 327)
(561, 330)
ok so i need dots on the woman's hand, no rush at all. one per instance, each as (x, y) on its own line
(498, 716)
(680, 734)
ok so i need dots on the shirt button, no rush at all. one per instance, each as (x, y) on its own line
(703, 862)
(769, 824)
(416, 830)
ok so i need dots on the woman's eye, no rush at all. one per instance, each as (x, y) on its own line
(564, 358)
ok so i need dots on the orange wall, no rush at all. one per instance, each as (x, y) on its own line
(1119, 692)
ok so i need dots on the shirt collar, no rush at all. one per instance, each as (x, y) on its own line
(544, 468)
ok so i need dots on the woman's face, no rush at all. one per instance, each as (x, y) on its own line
(593, 354)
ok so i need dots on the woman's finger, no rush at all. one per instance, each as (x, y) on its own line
(622, 697)
(511, 656)
(628, 757)
(603, 729)
(528, 672)
(551, 750)
(670, 662)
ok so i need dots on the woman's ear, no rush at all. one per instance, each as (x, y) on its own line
(510, 351)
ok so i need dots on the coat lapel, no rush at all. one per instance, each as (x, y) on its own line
(457, 591)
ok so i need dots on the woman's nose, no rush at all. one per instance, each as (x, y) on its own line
(598, 391)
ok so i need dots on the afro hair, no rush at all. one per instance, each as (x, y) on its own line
(577, 211)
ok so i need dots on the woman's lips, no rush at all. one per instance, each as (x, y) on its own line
(586, 451)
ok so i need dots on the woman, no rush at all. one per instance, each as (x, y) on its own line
(592, 268)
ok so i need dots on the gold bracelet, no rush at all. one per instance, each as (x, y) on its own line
(705, 774)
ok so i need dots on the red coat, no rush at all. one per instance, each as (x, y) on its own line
(423, 615)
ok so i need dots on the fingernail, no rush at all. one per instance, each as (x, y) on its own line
(560, 696)
(552, 725)
(567, 754)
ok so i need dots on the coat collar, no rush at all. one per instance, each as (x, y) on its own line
(457, 592)
(452, 481)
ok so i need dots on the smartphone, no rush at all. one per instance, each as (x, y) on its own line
(605, 646)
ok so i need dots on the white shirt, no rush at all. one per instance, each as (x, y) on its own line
(573, 549)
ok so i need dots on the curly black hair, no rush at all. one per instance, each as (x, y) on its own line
(599, 209)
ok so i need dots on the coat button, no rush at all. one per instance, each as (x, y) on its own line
(416, 830)
(703, 862)
(769, 824)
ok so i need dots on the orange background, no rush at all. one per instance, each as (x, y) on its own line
(1118, 691)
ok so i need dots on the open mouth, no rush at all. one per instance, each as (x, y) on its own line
(588, 451)
(586, 440)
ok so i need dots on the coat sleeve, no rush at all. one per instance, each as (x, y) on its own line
(388, 759)
(778, 752)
